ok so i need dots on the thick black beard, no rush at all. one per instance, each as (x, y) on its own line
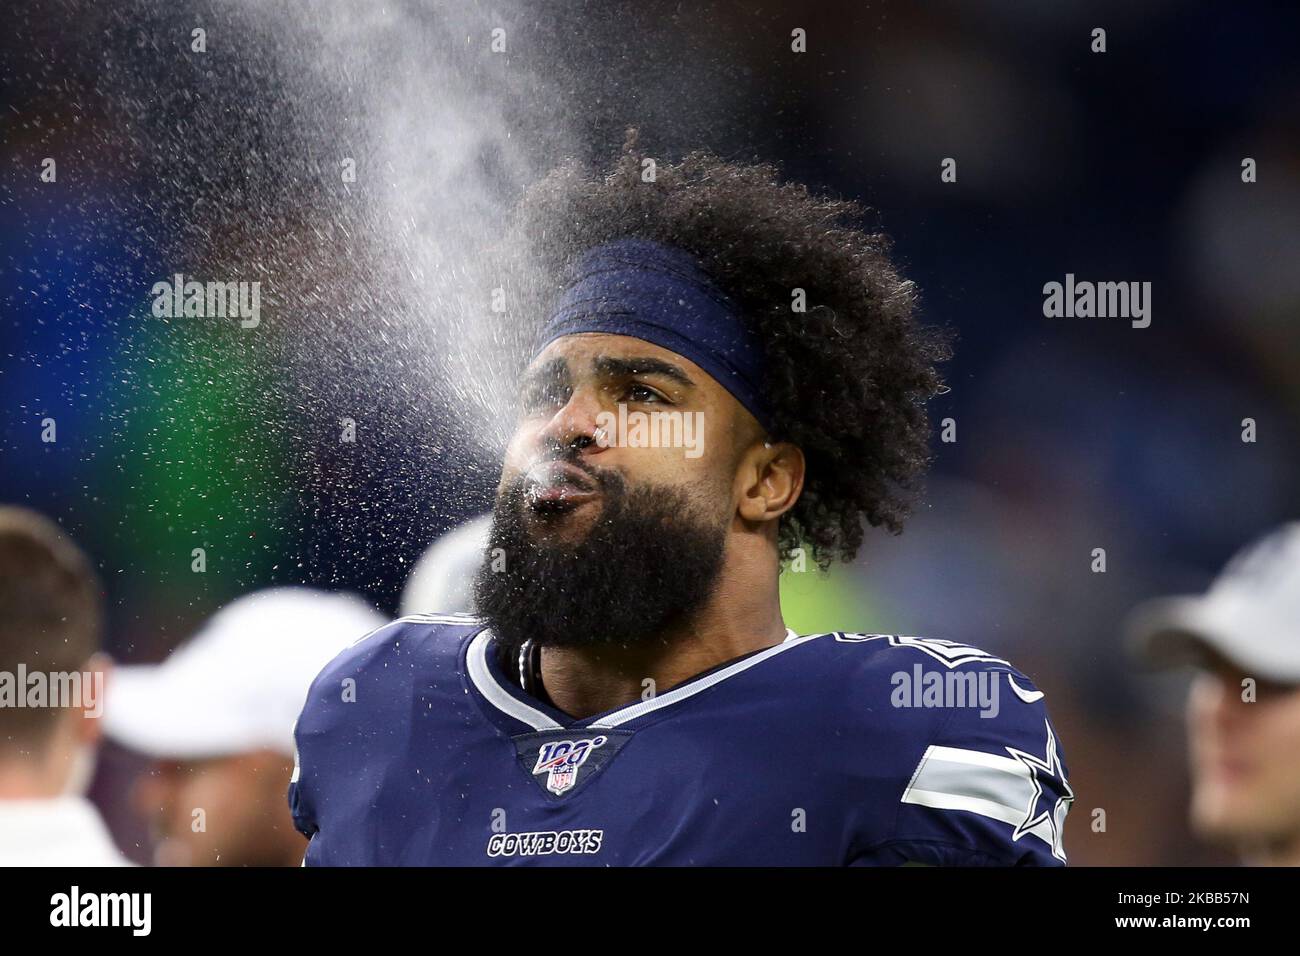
(647, 564)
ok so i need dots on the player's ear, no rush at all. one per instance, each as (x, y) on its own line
(771, 479)
(89, 728)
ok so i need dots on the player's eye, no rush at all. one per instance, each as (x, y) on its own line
(641, 393)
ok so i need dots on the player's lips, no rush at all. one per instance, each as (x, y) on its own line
(557, 486)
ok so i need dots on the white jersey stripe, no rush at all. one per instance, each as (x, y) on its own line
(952, 778)
(495, 694)
(693, 687)
(985, 808)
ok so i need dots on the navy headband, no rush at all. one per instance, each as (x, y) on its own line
(660, 294)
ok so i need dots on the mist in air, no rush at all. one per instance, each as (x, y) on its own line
(360, 161)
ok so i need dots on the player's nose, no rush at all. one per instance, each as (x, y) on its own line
(577, 423)
(1226, 707)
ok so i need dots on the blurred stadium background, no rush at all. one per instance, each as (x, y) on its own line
(1073, 434)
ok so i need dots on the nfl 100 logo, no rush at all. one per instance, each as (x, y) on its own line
(560, 761)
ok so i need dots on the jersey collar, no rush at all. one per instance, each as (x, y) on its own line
(506, 697)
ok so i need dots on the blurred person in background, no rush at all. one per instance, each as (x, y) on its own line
(217, 718)
(51, 626)
(443, 579)
(1243, 709)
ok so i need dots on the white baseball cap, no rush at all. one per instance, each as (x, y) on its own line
(239, 684)
(1250, 615)
(442, 581)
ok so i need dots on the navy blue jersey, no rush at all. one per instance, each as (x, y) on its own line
(416, 747)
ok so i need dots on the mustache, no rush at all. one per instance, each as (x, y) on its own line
(600, 478)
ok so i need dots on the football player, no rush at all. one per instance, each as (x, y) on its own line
(728, 378)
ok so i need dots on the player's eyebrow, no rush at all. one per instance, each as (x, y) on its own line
(551, 372)
(610, 367)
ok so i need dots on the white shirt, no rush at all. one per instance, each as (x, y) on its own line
(57, 831)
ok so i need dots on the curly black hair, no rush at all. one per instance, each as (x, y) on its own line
(848, 378)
